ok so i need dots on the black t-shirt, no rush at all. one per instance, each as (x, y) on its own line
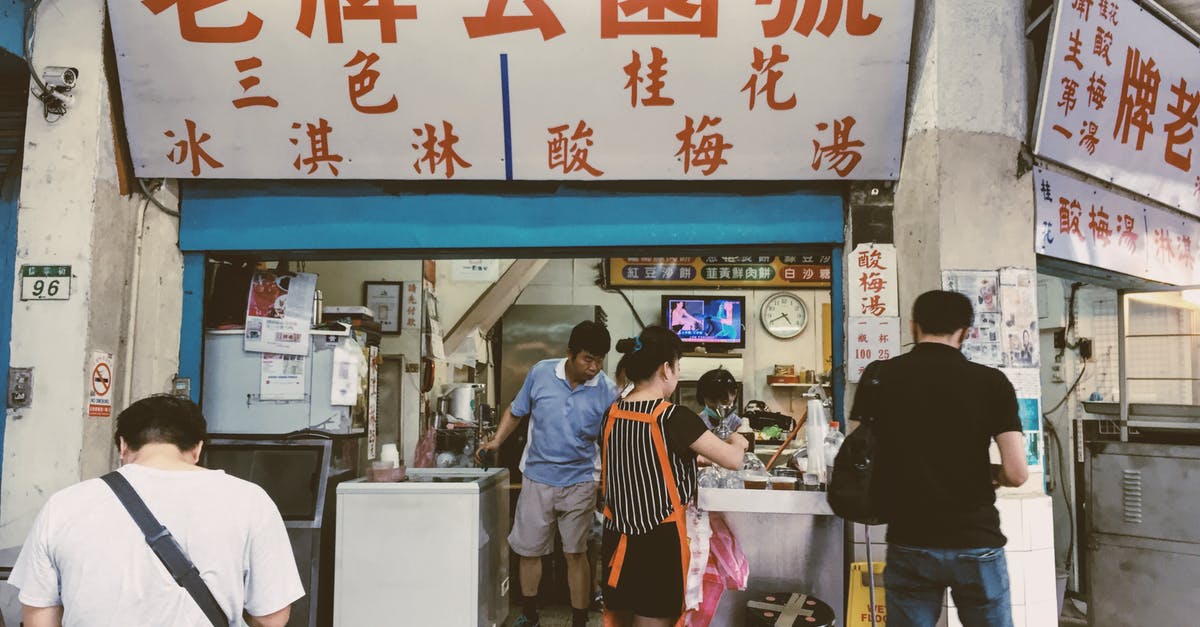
(938, 413)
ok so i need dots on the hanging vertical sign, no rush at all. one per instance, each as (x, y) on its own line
(412, 301)
(870, 339)
(873, 288)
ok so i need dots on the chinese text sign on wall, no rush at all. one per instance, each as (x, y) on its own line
(810, 269)
(496, 89)
(873, 287)
(1080, 222)
(1120, 100)
(870, 339)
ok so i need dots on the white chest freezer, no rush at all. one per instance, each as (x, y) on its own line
(429, 551)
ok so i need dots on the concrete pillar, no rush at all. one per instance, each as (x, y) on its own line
(963, 200)
(72, 213)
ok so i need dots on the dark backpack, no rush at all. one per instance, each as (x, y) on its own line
(854, 492)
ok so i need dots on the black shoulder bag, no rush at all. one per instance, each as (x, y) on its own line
(167, 549)
(853, 488)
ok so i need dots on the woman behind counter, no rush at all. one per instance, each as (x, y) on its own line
(648, 452)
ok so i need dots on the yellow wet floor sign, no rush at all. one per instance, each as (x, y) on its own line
(858, 606)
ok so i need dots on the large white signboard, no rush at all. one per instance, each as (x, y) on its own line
(508, 89)
(1081, 222)
(1120, 100)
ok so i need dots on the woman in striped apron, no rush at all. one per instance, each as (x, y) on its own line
(648, 457)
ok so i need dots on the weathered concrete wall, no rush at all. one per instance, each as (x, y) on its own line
(72, 213)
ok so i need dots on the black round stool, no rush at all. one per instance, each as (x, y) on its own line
(788, 609)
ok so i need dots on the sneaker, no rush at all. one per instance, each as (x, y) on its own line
(598, 601)
(524, 621)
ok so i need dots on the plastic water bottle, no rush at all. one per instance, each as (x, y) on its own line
(833, 443)
(815, 431)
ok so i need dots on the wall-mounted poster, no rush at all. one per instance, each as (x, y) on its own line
(279, 312)
(384, 299)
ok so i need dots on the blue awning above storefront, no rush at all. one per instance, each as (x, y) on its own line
(316, 218)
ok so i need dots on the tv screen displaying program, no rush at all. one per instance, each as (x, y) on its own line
(707, 320)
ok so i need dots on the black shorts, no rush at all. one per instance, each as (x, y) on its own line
(651, 579)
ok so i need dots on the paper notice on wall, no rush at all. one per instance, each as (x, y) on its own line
(279, 312)
(982, 344)
(870, 339)
(344, 384)
(372, 402)
(434, 348)
(412, 306)
(100, 386)
(1019, 321)
(476, 270)
(282, 377)
(1027, 383)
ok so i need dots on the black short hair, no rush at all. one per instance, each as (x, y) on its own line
(715, 384)
(161, 419)
(590, 336)
(644, 354)
(938, 312)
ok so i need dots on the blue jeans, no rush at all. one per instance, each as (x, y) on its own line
(916, 580)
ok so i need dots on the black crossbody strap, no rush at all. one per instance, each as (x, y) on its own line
(167, 549)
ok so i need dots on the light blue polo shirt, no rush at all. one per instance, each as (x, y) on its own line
(564, 424)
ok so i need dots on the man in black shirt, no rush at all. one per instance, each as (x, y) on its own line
(938, 414)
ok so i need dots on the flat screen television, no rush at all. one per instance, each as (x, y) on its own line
(715, 322)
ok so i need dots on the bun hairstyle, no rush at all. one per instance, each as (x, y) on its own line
(644, 354)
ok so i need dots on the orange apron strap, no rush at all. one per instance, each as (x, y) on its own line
(618, 561)
(608, 425)
(678, 511)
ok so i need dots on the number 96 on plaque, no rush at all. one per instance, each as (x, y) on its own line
(45, 282)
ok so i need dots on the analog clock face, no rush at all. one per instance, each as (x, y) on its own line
(783, 315)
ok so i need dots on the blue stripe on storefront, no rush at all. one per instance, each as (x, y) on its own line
(838, 313)
(311, 218)
(191, 338)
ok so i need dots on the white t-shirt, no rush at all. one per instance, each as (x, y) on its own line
(86, 554)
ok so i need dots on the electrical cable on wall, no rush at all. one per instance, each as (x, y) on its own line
(605, 286)
(1062, 473)
(149, 194)
(55, 83)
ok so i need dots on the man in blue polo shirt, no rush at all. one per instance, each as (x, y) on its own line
(566, 400)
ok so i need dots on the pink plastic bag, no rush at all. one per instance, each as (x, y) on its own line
(727, 570)
(423, 455)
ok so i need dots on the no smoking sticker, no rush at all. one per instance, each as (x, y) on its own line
(100, 383)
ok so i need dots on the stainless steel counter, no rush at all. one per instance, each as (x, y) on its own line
(792, 542)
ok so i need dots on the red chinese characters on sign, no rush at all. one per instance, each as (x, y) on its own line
(843, 152)
(650, 17)
(1074, 49)
(1087, 137)
(248, 83)
(191, 30)
(1102, 44)
(1181, 128)
(1127, 232)
(872, 281)
(1164, 250)
(707, 153)
(438, 152)
(496, 21)
(859, 23)
(1083, 8)
(318, 147)
(1067, 99)
(363, 83)
(1098, 225)
(386, 12)
(1097, 94)
(1108, 10)
(764, 68)
(1069, 213)
(570, 154)
(1139, 97)
(191, 148)
(410, 305)
(655, 73)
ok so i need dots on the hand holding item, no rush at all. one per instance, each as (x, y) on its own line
(485, 455)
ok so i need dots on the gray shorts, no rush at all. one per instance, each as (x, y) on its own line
(541, 509)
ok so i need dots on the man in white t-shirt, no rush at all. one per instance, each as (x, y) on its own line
(86, 563)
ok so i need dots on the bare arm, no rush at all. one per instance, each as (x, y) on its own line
(727, 453)
(275, 619)
(1014, 469)
(41, 616)
(508, 424)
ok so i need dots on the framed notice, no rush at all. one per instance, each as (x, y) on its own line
(383, 298)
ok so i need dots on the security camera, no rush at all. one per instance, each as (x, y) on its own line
(60, 78)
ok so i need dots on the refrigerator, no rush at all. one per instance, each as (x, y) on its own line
(432, 550)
